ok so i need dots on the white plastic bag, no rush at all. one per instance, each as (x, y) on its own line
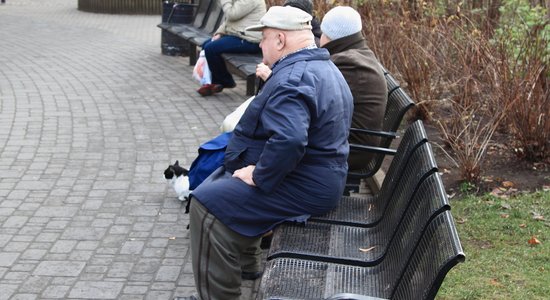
(201, 72)
(233, 118)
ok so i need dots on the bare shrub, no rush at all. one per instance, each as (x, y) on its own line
(461, 77)
(526, 76)
(404, 46)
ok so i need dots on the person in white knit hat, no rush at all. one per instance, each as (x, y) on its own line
(342, 37)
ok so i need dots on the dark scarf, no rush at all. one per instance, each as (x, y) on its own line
(354, 41)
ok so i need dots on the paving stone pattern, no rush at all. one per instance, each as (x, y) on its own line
(91, 114)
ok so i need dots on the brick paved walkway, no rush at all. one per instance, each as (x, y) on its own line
(90, 115)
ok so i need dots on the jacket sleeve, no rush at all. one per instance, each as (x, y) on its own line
(237, 9)
(286, 119)
(221, 29)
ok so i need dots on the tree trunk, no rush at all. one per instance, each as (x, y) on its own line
(493, 15)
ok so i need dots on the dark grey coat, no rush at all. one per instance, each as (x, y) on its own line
(366, 80)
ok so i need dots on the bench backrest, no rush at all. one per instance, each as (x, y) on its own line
(214, 17)
(414, 137)
(391, 83)
(398, 104)
(420, 165)
(339, 243)
(202, 12)
(438, 252)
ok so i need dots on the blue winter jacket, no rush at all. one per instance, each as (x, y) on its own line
(296, 134)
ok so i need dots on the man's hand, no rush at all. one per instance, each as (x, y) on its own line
(216, 36)
(263, 71)
(245, 174)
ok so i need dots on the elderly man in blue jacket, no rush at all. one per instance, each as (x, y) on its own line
(286, 160)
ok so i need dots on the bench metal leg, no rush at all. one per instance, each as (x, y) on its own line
(251, 85)
(172, 44)
(193, 54)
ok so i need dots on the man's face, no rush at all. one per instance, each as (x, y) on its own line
(271, 45)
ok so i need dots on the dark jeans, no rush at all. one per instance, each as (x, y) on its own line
(226, 44)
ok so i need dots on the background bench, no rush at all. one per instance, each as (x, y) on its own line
(185, 39)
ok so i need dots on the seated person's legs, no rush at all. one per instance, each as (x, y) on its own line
(225, 44)
(216, 254)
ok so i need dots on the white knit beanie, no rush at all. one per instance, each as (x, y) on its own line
(340, 22)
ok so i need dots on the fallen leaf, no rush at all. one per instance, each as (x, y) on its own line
(523, 225)
(511, 191)
(505, 206)
(534, 241)
(365, 250)
(537, 216)
(494, 281)
(496, 192)
(461, 221)
(507, 184)
(488, 179)
(504, 216)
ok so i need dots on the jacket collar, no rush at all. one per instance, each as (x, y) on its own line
(306, 54)
(354, 41)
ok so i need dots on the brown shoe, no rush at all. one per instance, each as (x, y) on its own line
(205, 90)
(210, 89)
(217, 88)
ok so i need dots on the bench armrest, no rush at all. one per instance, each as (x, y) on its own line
(366, 148)
(386, 134)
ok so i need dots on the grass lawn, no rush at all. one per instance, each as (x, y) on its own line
(507, 247)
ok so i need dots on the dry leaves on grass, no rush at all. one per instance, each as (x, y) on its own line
(533, 241)
(495, 282)
(507, 184)
(537, 216)
(505, 206)
(505, 190)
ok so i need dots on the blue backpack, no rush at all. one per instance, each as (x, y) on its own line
(211, 156)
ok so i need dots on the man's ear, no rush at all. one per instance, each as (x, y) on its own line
(281, 40)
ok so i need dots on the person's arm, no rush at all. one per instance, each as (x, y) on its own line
(237, 10)
(286, 118)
